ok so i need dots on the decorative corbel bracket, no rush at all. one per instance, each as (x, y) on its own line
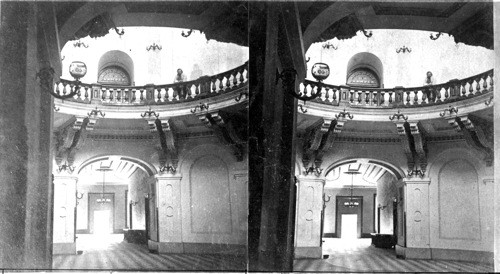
(478, 134)
(420, 144)
(404, 133)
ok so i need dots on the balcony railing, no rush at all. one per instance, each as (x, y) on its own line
(203, 87)
(451, 91)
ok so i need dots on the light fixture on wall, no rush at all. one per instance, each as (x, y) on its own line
(352, 203)
(66, 167)
(133, 203)
(154, 47)
(79, 196)
(403, 49)
(77, 69)
(103, 199)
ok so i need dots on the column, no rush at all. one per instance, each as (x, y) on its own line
(64, 214)
(416, 202)
(25, 136)
(309, 206)
(168, 204)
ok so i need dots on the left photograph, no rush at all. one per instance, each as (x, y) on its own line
(124, 135)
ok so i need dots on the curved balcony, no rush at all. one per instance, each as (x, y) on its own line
(215, 89)
(400, 97)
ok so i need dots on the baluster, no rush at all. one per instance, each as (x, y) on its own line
(111, 95)
(390, 97)
(491, 82)
(478, 86)
(408, 97)
(464, 92)
(174, 92)
(168, 96)
(133, 96)
(438, 94)
(197, 88)
(86, 94)
(334, 96)
(221, 86)
(118, 95)
(415, 99)
(228, 82)
(351, 96)
(367, 97)
(66, 87)
(158, 95)
(446, 93)
(381, 97)
(78, 94)
(213, 83)
(141, 96)
(359, 97)
(235, 78)
(471, 89)
(103, 94)
(327, 95)
(485, 84)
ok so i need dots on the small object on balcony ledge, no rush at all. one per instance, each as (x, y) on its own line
(398, 115)
(149, 113)
(201, 107)
(403, 49)
(451, 110)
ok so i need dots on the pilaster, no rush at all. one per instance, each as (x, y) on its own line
(64, 214)
(417, 219)
(168, 203)
(309, 206)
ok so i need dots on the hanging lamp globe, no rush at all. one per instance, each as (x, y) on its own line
(320, 71)
(77, 69)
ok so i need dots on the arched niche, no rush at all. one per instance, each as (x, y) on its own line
(115, 68)
(365, 69)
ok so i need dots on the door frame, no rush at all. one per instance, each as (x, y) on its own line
(338, 219)
(89, 213)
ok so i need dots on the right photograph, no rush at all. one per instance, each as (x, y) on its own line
(371, 137)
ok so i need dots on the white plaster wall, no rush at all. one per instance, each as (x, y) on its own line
(192, 54)
(214, 207)
(461, 204)
(443, 57)
(386, 191)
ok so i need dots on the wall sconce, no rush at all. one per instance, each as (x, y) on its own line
(95, 112)
(367, 34)
(79, 44)
(77, 69)
(403, 49)
(382, 207)
(133, 203)
(149, 113)
(329, 45)
(201, 107)
(238, 98)
(450, 110)
(79, 196)
(120, 33)
(66, 167)
(187, 34)
(398, 115)
(416, 172)
(344, 114)
(315, 170)
(488, 102)
(154, 47)
(56, 109)
(302, 108)
(437, 36)
(170, 169)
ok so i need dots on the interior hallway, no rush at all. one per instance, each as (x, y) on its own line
(111, 252)
(358, 255)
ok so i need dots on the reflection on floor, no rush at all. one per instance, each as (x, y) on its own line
(109, 252)
(359, 256)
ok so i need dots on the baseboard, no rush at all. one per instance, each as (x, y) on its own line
(484, 257)
(82, 231)
(329, 235)
(463, 255)
(308, 252)
(64, 248)
(196, 248)
(366, 235)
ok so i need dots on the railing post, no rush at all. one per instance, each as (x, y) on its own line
(398, 96)
(150, 93)
(96, 96)
(454, 89)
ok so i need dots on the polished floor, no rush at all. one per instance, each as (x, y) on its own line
(358, 255)
(110, 252)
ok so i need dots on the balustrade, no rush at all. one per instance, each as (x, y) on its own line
(453, 90)
(205, 86)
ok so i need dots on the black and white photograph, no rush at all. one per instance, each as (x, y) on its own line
(249, 136)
